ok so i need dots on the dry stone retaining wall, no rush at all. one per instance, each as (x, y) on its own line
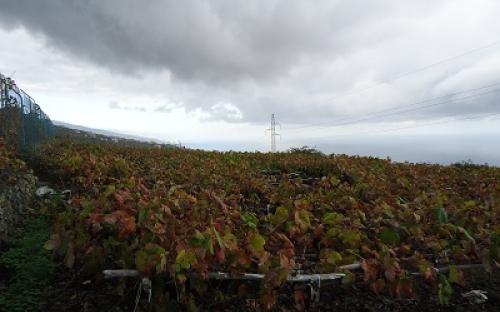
(17, 196)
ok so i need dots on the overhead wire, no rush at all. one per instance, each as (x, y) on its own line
(483, 116)
(421, 69)
(402, 110)
(400, 107)
(397, 77)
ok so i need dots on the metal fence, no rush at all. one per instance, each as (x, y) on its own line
(23, 124)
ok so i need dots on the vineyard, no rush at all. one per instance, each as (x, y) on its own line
(184, 217)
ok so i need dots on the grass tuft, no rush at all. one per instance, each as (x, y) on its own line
(29, 267)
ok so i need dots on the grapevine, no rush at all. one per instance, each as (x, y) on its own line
(176, 212)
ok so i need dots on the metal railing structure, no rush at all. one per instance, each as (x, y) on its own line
(23, 124)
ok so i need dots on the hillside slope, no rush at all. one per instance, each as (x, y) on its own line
(182, 213)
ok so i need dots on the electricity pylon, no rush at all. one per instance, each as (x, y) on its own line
(273, 133)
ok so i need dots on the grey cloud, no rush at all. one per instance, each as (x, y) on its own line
(206, 40)
(114, 105)
(298, 59)
(117, 106)
(167, 108)
(223, 111)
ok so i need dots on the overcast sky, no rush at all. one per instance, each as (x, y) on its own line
(414, 80)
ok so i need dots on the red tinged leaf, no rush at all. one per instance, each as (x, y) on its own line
(378, 286)
(426, 269)
(243, 260)
(143, 189)
(110, 219)
(158, 229)
(119, 198)
(303, 219)
(95, 217)
(392, 268)
(286, 263)
(404, 288)
(286, 242)
(166, 210)
(268, 300)
(299, 298)
(126, 222)
(370, 268)
(217, 226)
(243, 290)
(220, 255)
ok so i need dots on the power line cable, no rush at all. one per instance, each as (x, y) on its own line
(414, 126)
(397, 77)
(400, 107)
(421, 69)
(392, 113)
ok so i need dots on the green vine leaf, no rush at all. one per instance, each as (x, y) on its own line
(280, 216)
(442, 216)
(250, 219)
(184, 260)
(257, 243)
(332, 218)
(445, 291)
(390, 236)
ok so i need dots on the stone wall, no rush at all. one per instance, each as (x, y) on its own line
(17, 195)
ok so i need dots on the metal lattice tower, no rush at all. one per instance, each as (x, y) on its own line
(273, 133)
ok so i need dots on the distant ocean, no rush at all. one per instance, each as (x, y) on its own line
(442, 149)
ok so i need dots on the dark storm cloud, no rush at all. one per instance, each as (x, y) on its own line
(207, 40)
(256, 57)
(204, 40)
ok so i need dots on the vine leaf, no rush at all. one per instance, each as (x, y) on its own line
(442, 216)
(280, 216)
(257, 243)
(350, 237)
(467, 234)
(219, 239)
(230, 241)
(370, 269)
(331, 218)
(184, 260)
(250, 219)
(378, 286)
(444, 290)
(199, 240)
(268, 299)
(302, 219)
(152, 256)
(53, 243)
(333, 257)
(455, 276)
(390, 236)
(142, 215)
